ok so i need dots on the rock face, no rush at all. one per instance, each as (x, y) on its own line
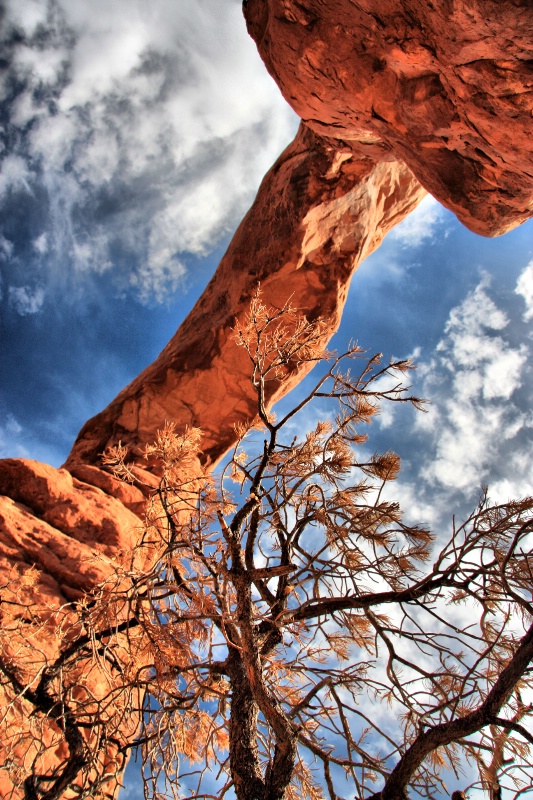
(321, 209)
(444, 85)
(397, 98)
(62, 525)
(71, 535)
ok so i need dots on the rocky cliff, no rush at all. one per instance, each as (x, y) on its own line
(397, 98)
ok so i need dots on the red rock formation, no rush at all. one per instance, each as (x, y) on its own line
(73, 535)
(444, 85)
(321, 209)
(65, 527)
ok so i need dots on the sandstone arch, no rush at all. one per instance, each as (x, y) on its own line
(396, 99)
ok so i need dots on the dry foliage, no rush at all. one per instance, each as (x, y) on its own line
(291, 637)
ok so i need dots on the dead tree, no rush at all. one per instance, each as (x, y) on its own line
(292, 636)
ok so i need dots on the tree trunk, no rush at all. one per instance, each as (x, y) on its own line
(243, 750)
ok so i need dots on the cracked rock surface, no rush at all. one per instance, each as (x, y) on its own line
(444, 85)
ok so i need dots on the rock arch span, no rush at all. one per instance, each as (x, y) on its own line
(396, 99)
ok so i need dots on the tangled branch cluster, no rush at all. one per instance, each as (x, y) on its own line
(290, 635)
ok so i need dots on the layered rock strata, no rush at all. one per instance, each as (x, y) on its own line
(60, 538)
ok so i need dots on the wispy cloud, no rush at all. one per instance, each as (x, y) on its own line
(10, 435)
(26, 300)
(473, 376)
(137, 135)
(14, 175)
(478, 428)
(524, 287)
(421, 225)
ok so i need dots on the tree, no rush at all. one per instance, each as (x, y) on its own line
(281, 631)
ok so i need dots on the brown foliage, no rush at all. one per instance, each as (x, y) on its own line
(291, 635)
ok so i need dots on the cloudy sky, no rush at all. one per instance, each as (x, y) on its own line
(133, 136)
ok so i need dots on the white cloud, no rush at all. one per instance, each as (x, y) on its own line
(14, 174)
(519, 481)
(26, 300)
(40, 245)
(417, 508)
(469, 439)
(150, 127)
(27, 15)
(10, 434)
(471, 381)
(52, 141)
(97, 160)
(42, 66)
(90, 253)
(477, 312)
(524, 287)
(6, 247)
(421, 225)
(482, 364)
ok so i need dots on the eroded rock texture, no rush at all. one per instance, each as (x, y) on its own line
(321, 209)
(59, 539)
(437, 89)
(444, 85)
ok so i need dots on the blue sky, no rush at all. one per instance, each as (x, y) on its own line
(133, 137)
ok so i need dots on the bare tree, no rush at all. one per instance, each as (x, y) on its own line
(291, 635)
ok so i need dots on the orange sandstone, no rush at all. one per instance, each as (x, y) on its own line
(444, 85)
(397, 98)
